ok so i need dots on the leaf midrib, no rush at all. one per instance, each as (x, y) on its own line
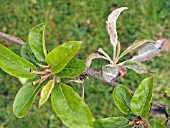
(29, 98)
(14, 62)
(67, 53)
(69, 105)
(144, 102)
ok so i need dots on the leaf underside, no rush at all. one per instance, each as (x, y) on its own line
(46, 91)
(37, 42)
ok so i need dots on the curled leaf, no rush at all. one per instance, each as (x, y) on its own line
(149, 51)
(111, 25)
(46, 91)
(93, 56)
(110, 73)
(137, 67)
(36, 41)
(133, 46)
(100, 50)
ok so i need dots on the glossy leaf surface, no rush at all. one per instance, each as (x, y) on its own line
(70, 107)
(36, 41)
(46, 91)
(137, 67)
(92, 57)
(140, 102)
(14, 64)
(122, 97)
(62, 54)
(74, 68)
(25, 98)
(111, 122)
(133, 46)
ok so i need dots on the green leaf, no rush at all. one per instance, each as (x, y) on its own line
(61, 55)
(168, 106)
(111, 122)
(137, 67)
(167, 98)
(140, 102)
(70, 107)
(14, 64)
(168, 92)
(155, 124)
(74, 68)
(133, 46)
(25, 98)
(27, 54)
(122, 97)
(46, 91)
(37, 42)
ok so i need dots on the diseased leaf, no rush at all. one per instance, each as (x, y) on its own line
(25, 98)
(140, 102)
(149, 51)
(111, 122)
(122, 97)
(46, 91)
(137, 67)
(61, 55)
(155, 124)
(14, 64)
(133, 46)
(70, 107)
(36, 41)
(111, 25)
(100, 50)
(110, 73)
(93, 56)
(74, 68)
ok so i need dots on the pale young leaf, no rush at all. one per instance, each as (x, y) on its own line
(133, 46)
(137, 67)
(93, 56)
(110, 73)
(149, 51)
(111, 25)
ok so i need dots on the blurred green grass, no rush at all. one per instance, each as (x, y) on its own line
(86, 21)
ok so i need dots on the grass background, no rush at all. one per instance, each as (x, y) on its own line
(84, 20)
